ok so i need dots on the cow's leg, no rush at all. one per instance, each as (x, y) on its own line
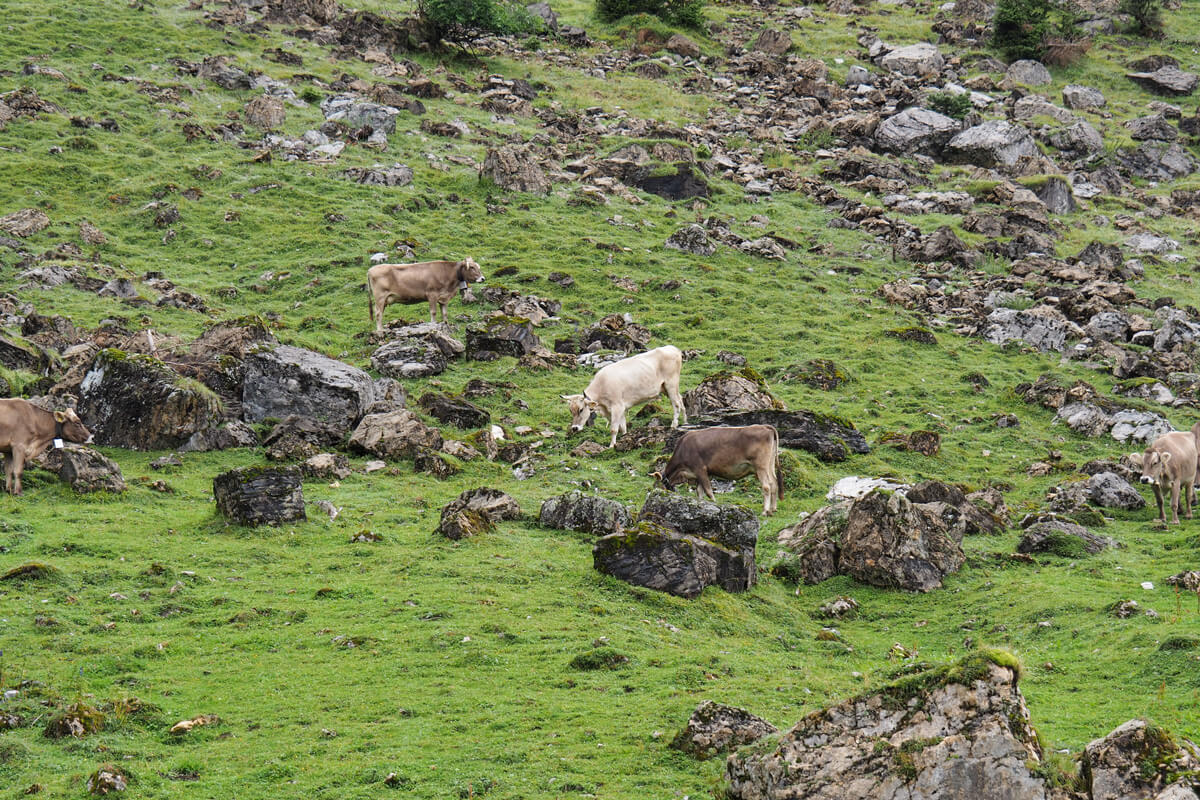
(672, 388)
(766, 479)
(17, 459)
(1158, 498)
(443, 305)
(1175, 502)
(616, 423)
(433, 309)
(702, 482)
(380, 305)
(8, 474)
(1189, 497)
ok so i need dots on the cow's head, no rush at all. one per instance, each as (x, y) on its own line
(1154, 467)
(73, 429)
(583, 410)
(469, 271)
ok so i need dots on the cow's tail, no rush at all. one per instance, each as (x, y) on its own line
(778, 470)
(370, 302)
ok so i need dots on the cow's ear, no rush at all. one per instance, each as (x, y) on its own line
(1136, 459)
(656, 475)
(1166, 458)
(60, 416)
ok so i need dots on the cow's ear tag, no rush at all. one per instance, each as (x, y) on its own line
(58, 444)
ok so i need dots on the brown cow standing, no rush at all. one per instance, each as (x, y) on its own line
(1171, 459)
(435, 281)
(728, 453)
(26, 430)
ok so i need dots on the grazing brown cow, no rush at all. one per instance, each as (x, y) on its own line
(435, 281)
(1171, 459)
(728, 453)
(26, 430)
(618, 387)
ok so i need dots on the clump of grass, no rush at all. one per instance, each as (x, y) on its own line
(31, 571)
(599, 658)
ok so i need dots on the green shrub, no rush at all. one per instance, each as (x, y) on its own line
(1020, 26)
(685, 13)
(1147, 16)
(952, 105)
(459, 20)
(600, 658)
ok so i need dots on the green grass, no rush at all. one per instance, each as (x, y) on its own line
(484, 665)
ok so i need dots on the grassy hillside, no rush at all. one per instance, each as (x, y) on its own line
(333, 664)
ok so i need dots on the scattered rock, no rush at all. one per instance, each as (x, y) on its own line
(1166, 80)
(1061, 538)
(715, 728)
(744, 390)
(916, 130)
(326, 465)
(290, 380)
(83, 469)
(1137, 760)
(691, 239)
(1109, 490)
(454, 410)
(1081, 98)
(1028, 73)
(25, 222)
(576, 511)
(517, 168)
(501, 336)
(921, 59)
(265, 112)
(260, 495)
(107, 779)
(417, 351)
(394, 435)
(1034, 329)
(997, 143)
(476, 511)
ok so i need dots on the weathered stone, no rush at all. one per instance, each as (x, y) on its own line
(686, 182)
(1109, 490)
(25, 222)
(715, 728)
(296, 437)
(380, 175)
(680, 545)
(576, 511)
(1136, 760)
(290, 380)
(881, 538)
(226, 436)
(1166, 80)
(260, 495)
(454, 410)
(1043, 332)
(997, 143)
(476, 511)
(138, 402)
(326, 465)
(1082, 97)
(1028, 73)
(683, 46)
(773, 42)
(965, 735)
(1079, 139)
(1056, 194)
(501, 336)
(107, 779)
(223, 74)
(1061, 538)
(726, 391)
(1157, 161)
(394, 435)
(83, 469)
(615, 332)
(916, 130)
(417, 351)
(915, 59)
(1154, 127)
(517, 168)
(357, 113)
(265, 112)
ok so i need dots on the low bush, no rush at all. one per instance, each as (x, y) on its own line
(685, 13)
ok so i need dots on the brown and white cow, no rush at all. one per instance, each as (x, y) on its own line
(26, 430)
(434, 281)
(728, 453)
(628, 383)
(1171, 459)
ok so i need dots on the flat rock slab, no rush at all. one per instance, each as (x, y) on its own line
(1166, 80)
(260, 495)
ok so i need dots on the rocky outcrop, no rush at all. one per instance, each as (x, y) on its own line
(83, 469)
(915, 59)
(1043, 331)
(138, 402)
(1061, 538)
(997, 143)
(1028, 73)
(260, 495)
(416, 351)
(730, 391)
(716, 728)
(576, 511)
(828, 438)
(1139, 760)
(1082, 97)
(290, 380)
(517, 168)
(502, 336)
(956, 732)
(882, 538)
(476, 511)
(680, 546)
(454, 411)
(398, 434)
(1166, 80)
(916, 130)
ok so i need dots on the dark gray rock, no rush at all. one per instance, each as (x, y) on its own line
(1154, 127)
(546, 14)
(680, 545)
(290, 380)
(1057, 195)
(379, 175)
(692, 239)
(1061, 538)
(476, 511)
(454, 410)
(715, 728)
(216, 69)
(1109, 490)
(983, 512)
(730, 391)
(1079, 139)
(227, 436)
(576, 511)
(296, 438)
(916, 130)
(882, 539)
(358, 113)
(517, 168)
(501, 336)
(686, 183)
(83, 469)
(417, 351)
(1157, 161)
(138, 402)
(1043, 332)
(260, 495)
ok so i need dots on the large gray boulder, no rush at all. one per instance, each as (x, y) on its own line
(1037, 330)
(680, 546)
(961, 732)
(716, 728)
(260, 495)
(358, 113)
(997, 143)
(416, 351)
(83, 469)
(576, 511)
(1166, 80)
(1139, 760)
(915, 59)
(1028, 73)
(916, 130)
(398, 434)
(1079, 139)
(882, 538)
(730, 391)
(138, 402)
(476, 511)
(1080, 98)
(516, 167)
(692, 239)
(1110, 490)
(1061, 538)
(290, 380)
(1157, 161)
